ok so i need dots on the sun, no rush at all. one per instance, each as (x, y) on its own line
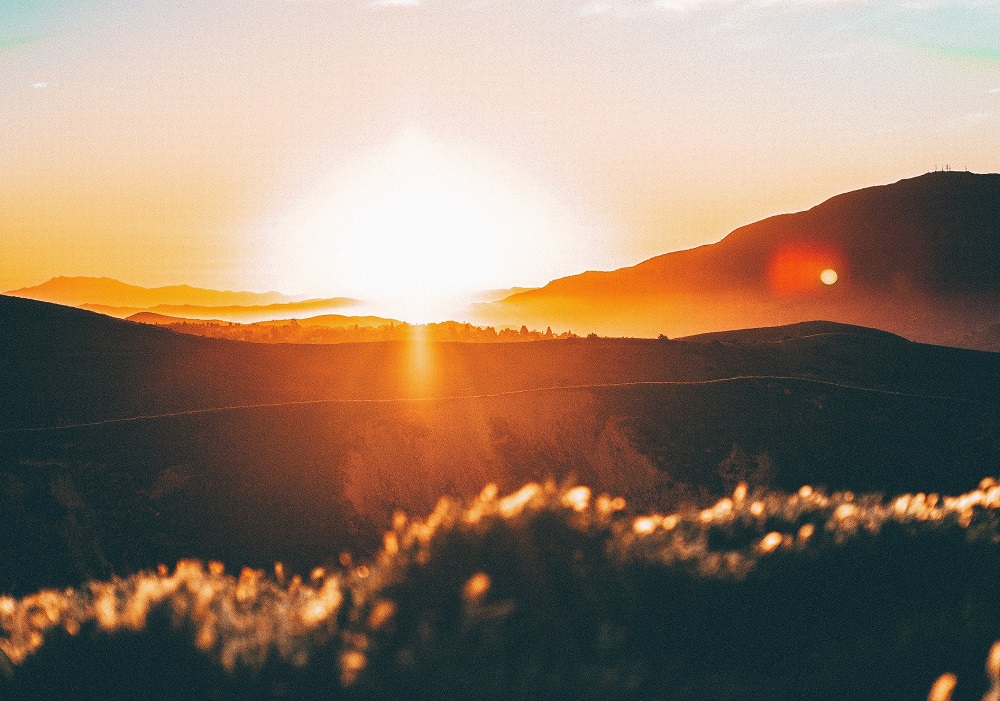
(419, 227)
(829, 276)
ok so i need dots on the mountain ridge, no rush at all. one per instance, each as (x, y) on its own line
(78, 290)
(918, 257)
(238, 313)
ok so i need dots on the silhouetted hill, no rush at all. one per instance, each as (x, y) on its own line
(333, 328)
(333, 321)
(76, 291)
(176, 446)
(918, 257)
(790, 332)
(987, 339)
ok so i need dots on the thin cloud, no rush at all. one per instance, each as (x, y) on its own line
(634, 8)
(394, 3)
(638, 8)
(971, 118)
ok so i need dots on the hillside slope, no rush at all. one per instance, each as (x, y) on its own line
(918, 257)
(174, 446)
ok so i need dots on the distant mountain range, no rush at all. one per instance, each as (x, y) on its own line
(920, 257)
(118, 299)
(323, 320)
(107, 292)
(238, 313)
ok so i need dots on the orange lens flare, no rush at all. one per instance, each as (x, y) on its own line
(802, 268)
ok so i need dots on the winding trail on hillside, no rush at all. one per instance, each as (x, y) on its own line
(492, 395)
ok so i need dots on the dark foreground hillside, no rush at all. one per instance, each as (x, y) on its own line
(156, 446)
(554, 593)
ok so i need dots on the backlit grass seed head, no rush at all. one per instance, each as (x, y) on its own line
(352, 662)
(577, 498)
(489, 492)
(993, 663)
(247, 585)
(476, 586)
(513, 504)
(382, 612)
(390, 543)
(399, 519)
(941, 691)
(771, 542)
(607, 505)
(740, 493)
(845, 511)
(644, 525)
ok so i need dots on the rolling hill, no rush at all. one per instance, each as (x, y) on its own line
(332, 321)
(918, 257)
(336, 328)
(123, 445)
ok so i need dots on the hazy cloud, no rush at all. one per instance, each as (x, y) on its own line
(394, 3)
(632, 8)
(635, 8)
(975, 118)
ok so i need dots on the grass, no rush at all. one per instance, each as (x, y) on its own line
(553, 593)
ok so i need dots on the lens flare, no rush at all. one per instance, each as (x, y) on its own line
(801, 268)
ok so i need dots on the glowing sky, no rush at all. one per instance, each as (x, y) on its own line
(228, 143)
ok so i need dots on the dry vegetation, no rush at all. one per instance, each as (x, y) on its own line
(550, 592)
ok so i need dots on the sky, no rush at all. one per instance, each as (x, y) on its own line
(385, 148)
